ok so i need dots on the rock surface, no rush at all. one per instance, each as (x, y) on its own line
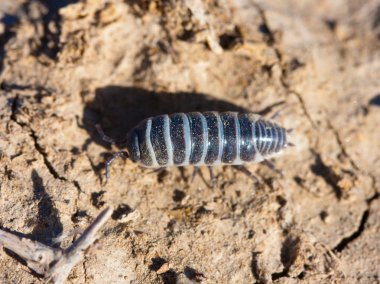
(65, 68)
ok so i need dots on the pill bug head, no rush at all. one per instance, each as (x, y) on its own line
(132, 146)
(270, 138)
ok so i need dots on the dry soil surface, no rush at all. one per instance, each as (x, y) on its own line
(68, 65)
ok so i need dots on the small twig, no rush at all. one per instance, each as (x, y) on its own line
(54, 264)
(37, 256)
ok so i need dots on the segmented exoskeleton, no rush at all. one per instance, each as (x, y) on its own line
(208, 138)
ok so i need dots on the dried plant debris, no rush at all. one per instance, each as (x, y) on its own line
(54, 264)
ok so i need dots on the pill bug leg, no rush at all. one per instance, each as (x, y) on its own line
(195, 172)
(289, 130)
(247, 172)
(198, 172)
(105, 137)
(155, 171)
(212, 177)
(279, 111)
(122, 154)
(160, 172)
(112, 141)
(289, 144)
(270, 165)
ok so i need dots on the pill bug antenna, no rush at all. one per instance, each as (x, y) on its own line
(105, 138)
(280, 111)
(289, 144)
(120, 154)
(272, 167)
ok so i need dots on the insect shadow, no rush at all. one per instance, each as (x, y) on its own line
(48, 224)
(118, 109)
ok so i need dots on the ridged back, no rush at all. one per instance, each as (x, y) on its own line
(209, 138)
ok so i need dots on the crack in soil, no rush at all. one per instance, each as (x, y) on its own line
(271, 42)
(347, 240)
(48, 164)
(85, 270)
(341, 145)
(303, 105)
(38, 147)
(42, 152)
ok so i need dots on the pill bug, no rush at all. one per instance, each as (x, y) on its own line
(198, 139)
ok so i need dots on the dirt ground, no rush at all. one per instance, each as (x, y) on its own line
(68, 65)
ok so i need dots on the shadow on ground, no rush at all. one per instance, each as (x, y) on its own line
(48, 225)
(118, 109)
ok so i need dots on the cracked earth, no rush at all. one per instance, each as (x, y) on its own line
(66, 67)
